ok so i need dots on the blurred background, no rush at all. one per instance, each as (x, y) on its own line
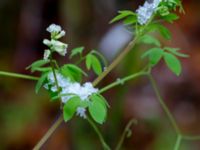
(25, 117)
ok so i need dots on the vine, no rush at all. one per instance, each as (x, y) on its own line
(64, 83)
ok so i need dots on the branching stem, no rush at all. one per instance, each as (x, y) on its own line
(122, 81)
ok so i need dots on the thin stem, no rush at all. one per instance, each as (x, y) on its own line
(54, 73)
(178, 142)
(122, 81)
(104, 144)
(49, 133)
(191, 138)
(125, 133)
(115, 62)
(56, 64)
(16, 75)
(163, 105)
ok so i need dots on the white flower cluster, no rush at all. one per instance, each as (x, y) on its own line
(146, 11)
(56, 31)
(53, 44)
(71, 88)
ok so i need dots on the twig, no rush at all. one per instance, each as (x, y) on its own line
(178, 142)
(163, 105)
(125, 133)
(49, 133)
(16, 75)
(104, 144)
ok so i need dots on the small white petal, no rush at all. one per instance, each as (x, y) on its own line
(47, 42)
(47, 54)
(54, 28)
(81, 112)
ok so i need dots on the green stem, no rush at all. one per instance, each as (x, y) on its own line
(125, 133)
(163, 105)
(178, 142)
(191, 138)
(122, 81)
(49, 133)
(104, 144)
(116, 61)
(54, 73)
(16, 75)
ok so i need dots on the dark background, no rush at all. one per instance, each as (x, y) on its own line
(25, 116)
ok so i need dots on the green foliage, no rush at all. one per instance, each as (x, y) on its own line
(171, 17)
(163, 10)
(173, 4)
(129, 16)
(98, 109)
(93, 62)
(37, 65)
(101, 57)
(70, 108)
(73, 72)
(169, 54)
(130, 20)
(76, 51)
(154, 55)
(161, 29)
(148, 39)
(173, 63)
(175, 52)
(41, 81)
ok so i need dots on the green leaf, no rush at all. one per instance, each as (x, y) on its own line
(175, 52)
(40, 82)
(147, 39)
(41, 69)
(173, 63)
(38, 63)
(93, 62)
(89, 61)
(154, 54)
(98, 110)
(76, 69)
(122, 14)
(70, 108)
(100, 56)
(162, 30)
(130, 20)
(76, 51)
(171, 17)
(96, 65)
(100, 98)
(73, 72)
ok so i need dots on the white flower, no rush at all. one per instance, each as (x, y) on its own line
(146, 11)
(54, 28)
(81, 112)
(69, 89)
(47, 54)
(57, 46)
(47, 42)
(56, 31)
